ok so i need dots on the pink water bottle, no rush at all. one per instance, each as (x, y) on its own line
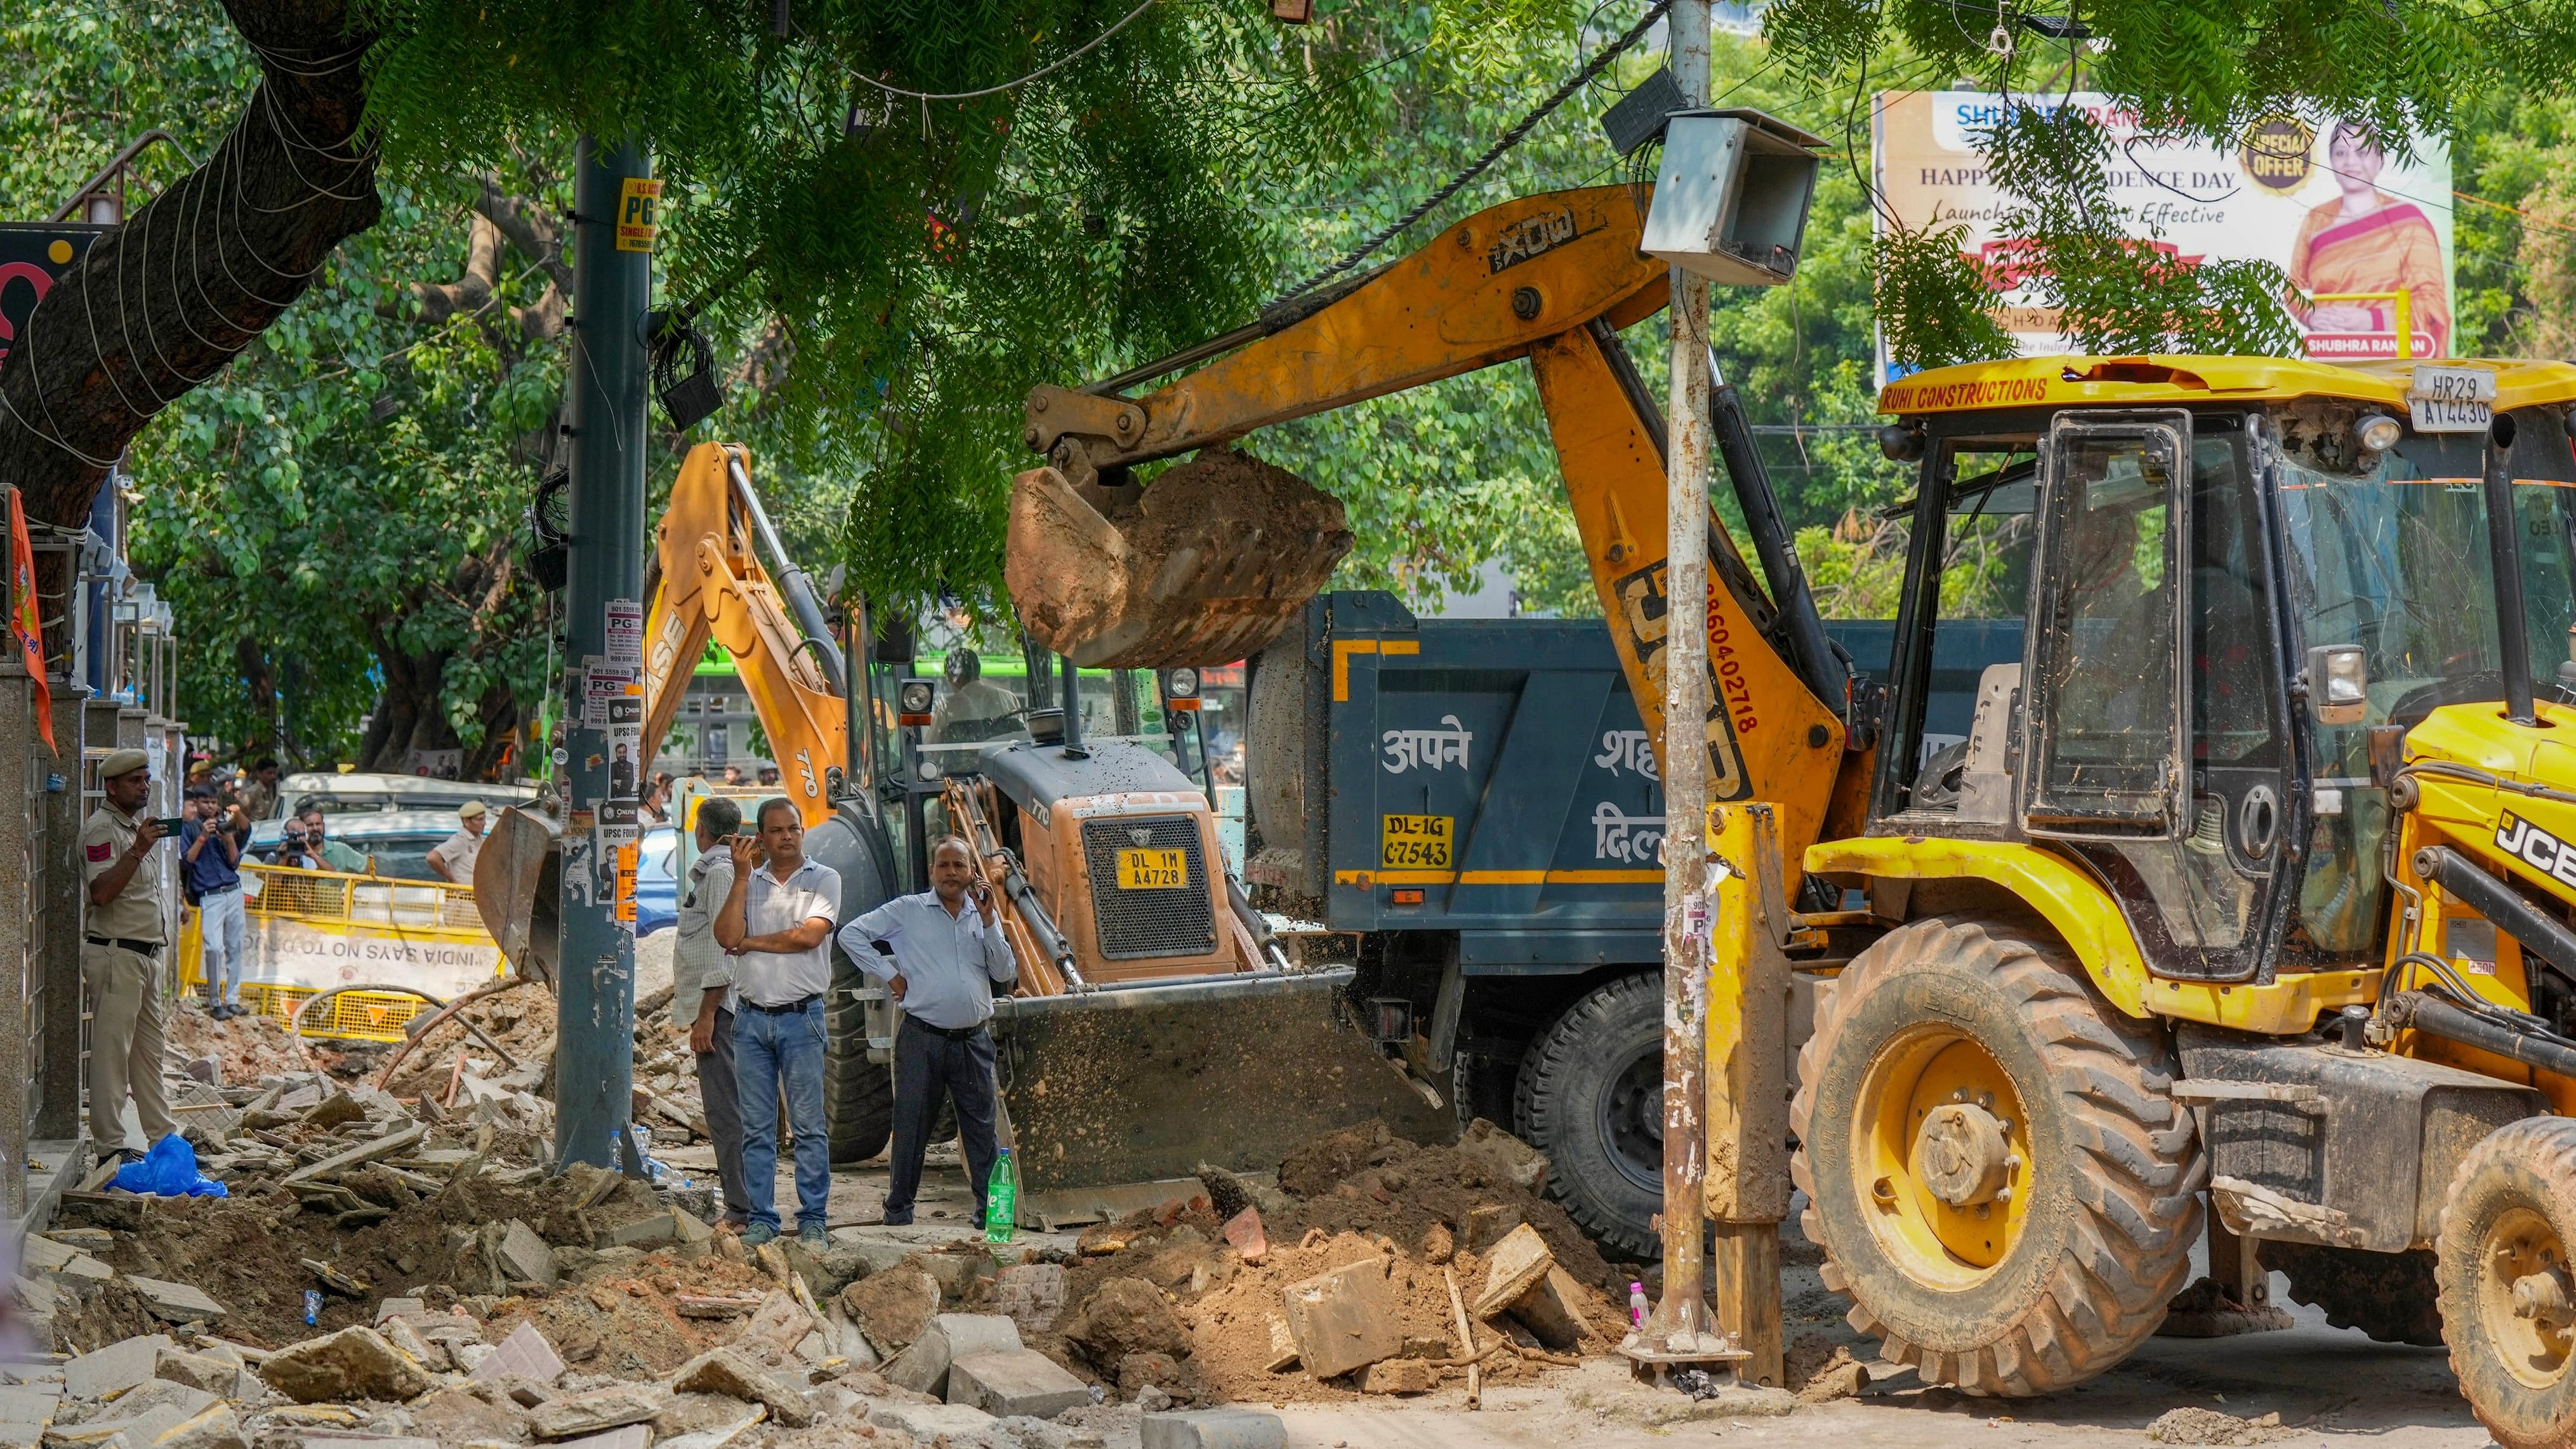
(1636, 1305)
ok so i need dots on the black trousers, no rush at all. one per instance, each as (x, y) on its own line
(927, 1065)
(717, 1092)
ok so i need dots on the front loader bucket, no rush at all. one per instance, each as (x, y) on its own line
(516, 890)
(1206, 565)
(1141, 1084)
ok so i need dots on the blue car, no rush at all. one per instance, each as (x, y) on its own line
(657, 886)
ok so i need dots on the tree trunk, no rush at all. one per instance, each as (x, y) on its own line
(192, 278)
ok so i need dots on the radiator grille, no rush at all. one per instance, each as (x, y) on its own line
(1140, 923)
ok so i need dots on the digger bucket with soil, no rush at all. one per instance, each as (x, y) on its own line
(1116, 1095)
(516, 889)
(1205, 565)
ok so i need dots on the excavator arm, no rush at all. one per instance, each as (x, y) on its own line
(1550, 278)
(708, 583)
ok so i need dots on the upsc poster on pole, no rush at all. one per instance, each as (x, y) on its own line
(2366, 231)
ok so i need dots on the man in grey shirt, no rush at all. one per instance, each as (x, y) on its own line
(702, 997)
(947, 960)
(776, 924)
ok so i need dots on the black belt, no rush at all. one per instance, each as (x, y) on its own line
(953, 1033)
(790, 1009)
(220, 890)
(139, 948)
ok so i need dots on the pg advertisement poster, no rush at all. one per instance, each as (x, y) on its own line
(2367, 232)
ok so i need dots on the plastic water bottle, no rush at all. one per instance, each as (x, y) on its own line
(1002, 1201)
(312, 1307)
(1636, 1305)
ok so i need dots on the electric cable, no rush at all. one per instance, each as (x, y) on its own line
(1039, 74)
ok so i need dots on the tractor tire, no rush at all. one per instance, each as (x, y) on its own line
(2502, 1265)
(2388, 1296)
(1998, 1180)
(858, 1094)
(1590, 1095)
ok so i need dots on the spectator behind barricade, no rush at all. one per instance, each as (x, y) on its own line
(336, 855)
(259, 792)
(453, 858)
(210, 852)
(294, 851)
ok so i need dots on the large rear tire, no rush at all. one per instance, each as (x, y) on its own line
(1590, 1096)
(2389, 1296)
(2502, 1263)
(858, 1094)
(1999, 1181)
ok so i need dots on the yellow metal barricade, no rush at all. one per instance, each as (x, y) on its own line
(310, 931)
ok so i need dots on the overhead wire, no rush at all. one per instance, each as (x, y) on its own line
(1040, 73)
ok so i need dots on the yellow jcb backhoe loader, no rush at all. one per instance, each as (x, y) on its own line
(2250, 888)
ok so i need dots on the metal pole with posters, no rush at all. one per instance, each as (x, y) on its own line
(614, 202)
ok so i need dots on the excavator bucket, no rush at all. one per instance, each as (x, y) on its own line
(516, 891)
(1205, 565)
(1111, 1092)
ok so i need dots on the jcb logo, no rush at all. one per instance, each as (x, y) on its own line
(2537, 848)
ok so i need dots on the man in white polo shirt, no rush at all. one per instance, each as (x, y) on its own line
(776, 924)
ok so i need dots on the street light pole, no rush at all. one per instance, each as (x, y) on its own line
(613, 206)
(1681, 1328)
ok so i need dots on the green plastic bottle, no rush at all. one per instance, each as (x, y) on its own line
(1002, 1201)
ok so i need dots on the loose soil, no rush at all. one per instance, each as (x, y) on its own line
(521, 1018)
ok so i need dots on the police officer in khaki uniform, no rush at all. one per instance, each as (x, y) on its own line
(121, 944)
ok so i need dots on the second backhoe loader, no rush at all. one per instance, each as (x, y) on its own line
(2245, 913)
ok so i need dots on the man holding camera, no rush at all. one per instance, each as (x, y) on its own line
(946, 962)
(210, 850)
(121, 940)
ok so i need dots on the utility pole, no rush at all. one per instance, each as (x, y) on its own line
(614, 203)
(1681, 1329)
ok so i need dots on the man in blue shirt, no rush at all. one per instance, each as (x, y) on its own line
(947, 960)
(210, 869)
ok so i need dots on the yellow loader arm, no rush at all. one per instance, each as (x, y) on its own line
(1550, 278)
(708, 583)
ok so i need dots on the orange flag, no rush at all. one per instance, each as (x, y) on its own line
(27, 622)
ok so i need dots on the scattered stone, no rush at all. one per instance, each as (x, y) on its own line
(1345, 1319)
(334, 1110)
(1124, 1316)
(1397, 1376)
(1818, 1370)
(198, 1371)
(776, 1327)
(645, 1232)
(1137, 1370)
(1283, 1348)
(354, 1363)
(397, 1307)
(385, 1146)
(525, 1354)
(462, 1416)
(1504, 1157)
(735, 1374)
(1243, 1231)
(524, 1255)
(962, 1423)
(1214, 1429)
(923, 1367)
(1102, 1239)
(595, 1412)
(1517, 1265)
(892, 1307)
(1439, 1245)
(630, 1436)
(2190, 1425)
(718, 1436)
(1008, 1382)
(117, 1366)
(176, 1302)
(1488, 1224)
(1552, 1310)
(88, 1240)
(715, 1305)
(1031, 1293)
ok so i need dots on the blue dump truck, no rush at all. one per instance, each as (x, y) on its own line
(1468, 811)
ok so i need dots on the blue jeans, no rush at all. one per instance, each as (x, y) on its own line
(769, 1047)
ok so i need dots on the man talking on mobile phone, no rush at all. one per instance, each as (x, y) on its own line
(949, 956)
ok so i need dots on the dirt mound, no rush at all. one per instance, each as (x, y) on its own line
(521, 1018)
(246, 1049)
(1351, 1196)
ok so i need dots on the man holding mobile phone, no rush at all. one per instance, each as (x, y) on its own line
(949, 955)
(121, 940)
(776, 924)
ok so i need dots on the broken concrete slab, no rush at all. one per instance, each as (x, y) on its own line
(892, 1307)
(525, 1354)
(630, 1436)
(1014, 1381)
(776, 1327)
(213, 1427)
(1245, 1233)
(1552, 1310)
(720, 1435)
(118, 1366)
(1214, 1429)
(1488, 1224)
(923, 1368)
(1519, 1261)
(645, 1232)
(22, 1405)
(926, 1422)
(354, 1363)
(1345, 1319)
(397, 1307)
(175, 1302)
(524, 1255)
(198, 1371)
(576, 1415)
(462, 1416)
(735, 1374)
(407, 1339)
(1397, 1376)
(369, 1151)
(1032, 1294)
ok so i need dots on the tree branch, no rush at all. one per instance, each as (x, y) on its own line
(192, 278)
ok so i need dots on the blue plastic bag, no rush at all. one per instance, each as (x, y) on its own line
(168, 1170)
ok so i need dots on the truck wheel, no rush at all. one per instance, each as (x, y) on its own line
(2508, 1310)
(858, 1094)
(1999, 1182)
(1591, 1096)
(2388, 1296)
